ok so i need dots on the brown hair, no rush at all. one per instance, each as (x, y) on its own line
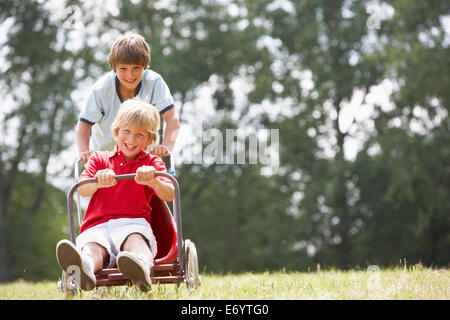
(140, 114)
(131, 49)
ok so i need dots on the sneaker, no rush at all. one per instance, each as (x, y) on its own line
(68, 255)
(135, 269)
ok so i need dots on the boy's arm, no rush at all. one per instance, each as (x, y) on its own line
(83, 131)
(145, 175)
(88, 189)
(163, 190)
(172, 121)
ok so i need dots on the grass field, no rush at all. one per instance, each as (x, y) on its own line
(410, 283)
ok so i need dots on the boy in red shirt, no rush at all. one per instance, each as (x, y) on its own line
(116, 228)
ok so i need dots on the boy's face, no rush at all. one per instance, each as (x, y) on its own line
(132, 140)
(129, 75)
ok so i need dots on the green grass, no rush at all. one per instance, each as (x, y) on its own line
(413, 283)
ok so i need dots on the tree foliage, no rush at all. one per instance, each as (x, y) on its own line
(295, 66)
(38, 77)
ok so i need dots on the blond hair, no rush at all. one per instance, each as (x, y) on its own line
(130, 50)
(139, 114)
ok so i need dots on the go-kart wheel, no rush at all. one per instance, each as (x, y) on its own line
(191, 263)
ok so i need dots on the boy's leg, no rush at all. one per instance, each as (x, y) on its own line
(137, 244)
(96, 247)
(135, 261)
(96, 255)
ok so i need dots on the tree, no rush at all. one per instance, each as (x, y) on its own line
(39, 75)
(326, 55)
(237, 216)
(321, 62)
(310, 59)
(295, 66)
(405, 163)
(32, 238)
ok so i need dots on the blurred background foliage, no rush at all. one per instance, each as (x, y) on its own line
(357, 89)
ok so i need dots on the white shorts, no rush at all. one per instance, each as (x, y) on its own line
(113, 233)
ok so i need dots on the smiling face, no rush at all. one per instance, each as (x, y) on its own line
(132, 140)
(129, 77)
(135, 127)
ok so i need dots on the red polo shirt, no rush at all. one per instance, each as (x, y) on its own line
(126, 199)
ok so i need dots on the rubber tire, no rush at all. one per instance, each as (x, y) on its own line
(191, 266)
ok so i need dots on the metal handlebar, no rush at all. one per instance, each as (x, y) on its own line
(77, 177)
(176, 205)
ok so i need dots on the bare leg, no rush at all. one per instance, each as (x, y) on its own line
(135, 261)
(98, 255)
(137, 244)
